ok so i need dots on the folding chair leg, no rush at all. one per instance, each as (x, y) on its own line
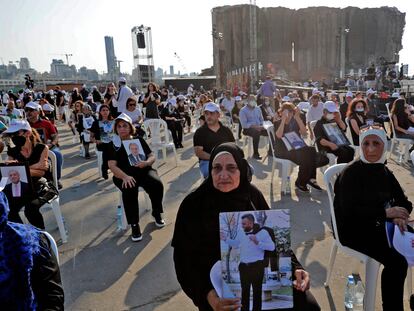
(59, 220)
(124, 223)
(391, 149)
(409, 282)
(371, 278)
(273, 171)
(332, 258)
(284, 176)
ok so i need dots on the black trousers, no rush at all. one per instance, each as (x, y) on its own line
(251, 275)
(308, 160)
(152, 185)
(176, 130)
(395, 266)
(345, 154)
(255, 134)
(31, 211)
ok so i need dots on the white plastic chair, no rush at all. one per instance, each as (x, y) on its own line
(121, 204)
(371, 265)
(160, 138)
(403, 143)
(287, 165)
(54, 204)
(53, 245)
(68, 113)
(100, 161)
(349, 136)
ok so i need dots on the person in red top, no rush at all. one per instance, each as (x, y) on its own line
(47, 131)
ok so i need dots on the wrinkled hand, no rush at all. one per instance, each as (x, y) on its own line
(302, 282)
(333, 146)
(222, 304)
(128, 182)
(401, 223)
(297, 113)
(397, 212)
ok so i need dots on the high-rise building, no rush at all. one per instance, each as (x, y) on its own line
(60, 70)
(110, 56)
(24, 63)
(171, 70)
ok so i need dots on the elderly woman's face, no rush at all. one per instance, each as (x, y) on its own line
(123, 129)
(225, 173)
(373, 148)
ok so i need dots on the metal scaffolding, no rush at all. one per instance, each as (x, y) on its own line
(143, 57)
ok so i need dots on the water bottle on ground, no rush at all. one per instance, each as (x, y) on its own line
(288, 185)
(349, 294)
(119, 218)
(359, 297)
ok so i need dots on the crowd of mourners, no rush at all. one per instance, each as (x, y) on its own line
(296, 127)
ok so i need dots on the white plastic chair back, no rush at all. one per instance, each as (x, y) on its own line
(154, 126)
(53, 245)
(53, 166)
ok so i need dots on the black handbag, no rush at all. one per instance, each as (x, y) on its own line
(44, 192)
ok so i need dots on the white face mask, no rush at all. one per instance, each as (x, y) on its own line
(359, 109)
(329, 116)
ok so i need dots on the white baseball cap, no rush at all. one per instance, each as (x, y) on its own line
(349, 94)
(122, 79)
(371, 91)
(315, 91)
(212, 107)
(404, 244)
(124, 117)
(237, 98)
(330, 106)
(286, 99)
(17, 125)
(33, 105)
(395, 95)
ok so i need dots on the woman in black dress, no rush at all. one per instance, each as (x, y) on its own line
(110, 94)
(151, 101)
(196, 239)
(357, 117)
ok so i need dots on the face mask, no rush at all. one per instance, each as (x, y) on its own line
(359, 109)
(330, 116)
(18, 141)
(252, 104)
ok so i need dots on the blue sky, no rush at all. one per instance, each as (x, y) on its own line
(39, 29)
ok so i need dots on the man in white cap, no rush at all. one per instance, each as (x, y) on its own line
(124, 92)
(211, 134)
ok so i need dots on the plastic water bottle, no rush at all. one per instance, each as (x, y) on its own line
(350, 293)
(119, 218)
(359, 297)
(288, 185)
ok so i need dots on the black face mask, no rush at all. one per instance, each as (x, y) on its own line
(18, 141)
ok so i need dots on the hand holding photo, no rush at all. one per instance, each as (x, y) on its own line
(135, 151)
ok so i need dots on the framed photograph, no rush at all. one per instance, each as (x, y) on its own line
(335, 134)
(293, 141)
(134, 151)
(87, 122)
(18, 183)
(255, 261)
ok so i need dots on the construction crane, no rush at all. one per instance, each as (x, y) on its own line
(67, 55)
(181, 62)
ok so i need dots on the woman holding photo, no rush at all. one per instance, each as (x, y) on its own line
(128, 178)
(196, 239)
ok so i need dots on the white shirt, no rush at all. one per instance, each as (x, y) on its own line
(17, 112)
(249, 251)
(124, 93)
(17, 190)
(314, 113)
(228, 104)
(134, 115)
(5, 99)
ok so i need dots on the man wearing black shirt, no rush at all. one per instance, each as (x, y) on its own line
(211, 134)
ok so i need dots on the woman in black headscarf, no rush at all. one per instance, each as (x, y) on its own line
(196, 239)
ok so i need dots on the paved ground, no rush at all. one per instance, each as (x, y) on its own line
(103, 270)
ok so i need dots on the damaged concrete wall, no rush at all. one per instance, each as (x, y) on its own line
(318, 33)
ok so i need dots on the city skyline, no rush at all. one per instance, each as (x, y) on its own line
(78, 28)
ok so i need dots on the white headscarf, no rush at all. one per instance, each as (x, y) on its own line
(379, 133)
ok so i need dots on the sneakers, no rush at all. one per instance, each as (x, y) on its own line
(314, 185)
(303, 189)
(159, 221)
(136, 233)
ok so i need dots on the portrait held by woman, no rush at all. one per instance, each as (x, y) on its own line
(196, 239)
(367, 194)
(128, 178)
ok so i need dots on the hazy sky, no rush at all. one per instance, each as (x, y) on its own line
(38, 29)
